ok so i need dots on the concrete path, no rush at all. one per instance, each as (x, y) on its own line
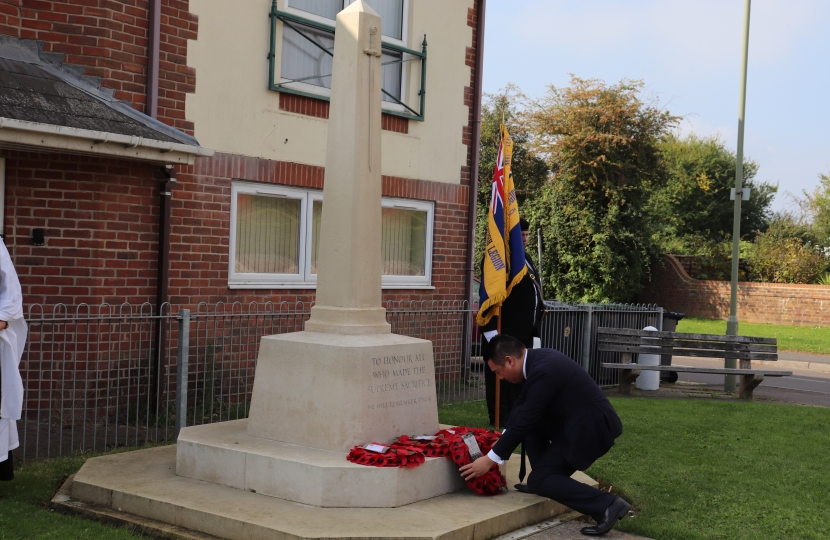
(798, 360)
(565, 529)
(570, 531)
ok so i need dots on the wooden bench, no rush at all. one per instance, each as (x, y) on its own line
(742, 348)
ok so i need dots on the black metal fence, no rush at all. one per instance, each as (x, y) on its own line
(98, 377)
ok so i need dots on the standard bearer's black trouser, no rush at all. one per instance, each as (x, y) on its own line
(7, 468)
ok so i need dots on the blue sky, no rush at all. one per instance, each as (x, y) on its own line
(688, 53)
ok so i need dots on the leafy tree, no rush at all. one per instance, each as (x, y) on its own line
(529, 171)
(603, 145)
(818, 203)
(694, 204)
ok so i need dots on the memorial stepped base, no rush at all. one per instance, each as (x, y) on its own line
(141, 490)
(225, 454)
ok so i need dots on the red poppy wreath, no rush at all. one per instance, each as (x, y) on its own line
(409, 451)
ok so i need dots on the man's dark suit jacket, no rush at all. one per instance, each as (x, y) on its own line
(560, 401)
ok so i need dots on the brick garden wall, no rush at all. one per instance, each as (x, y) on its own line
(110, 38)
(779, 303)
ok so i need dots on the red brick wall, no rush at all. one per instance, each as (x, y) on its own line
(201, 222)
(110, 38)
(101, 227)
(469, 95)
(779, 303)
(319, 108)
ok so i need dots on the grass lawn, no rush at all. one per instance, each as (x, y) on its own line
(692, 469)
(709, 469)
(24, 511)
(809, 339)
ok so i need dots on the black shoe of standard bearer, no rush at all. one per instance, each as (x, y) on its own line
(618, 510)
(522, 488)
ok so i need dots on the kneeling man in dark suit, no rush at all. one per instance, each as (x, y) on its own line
(564, 421)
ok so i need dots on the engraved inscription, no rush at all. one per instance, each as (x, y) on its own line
(394, 375)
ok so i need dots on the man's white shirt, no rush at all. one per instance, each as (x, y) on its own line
(492, 455)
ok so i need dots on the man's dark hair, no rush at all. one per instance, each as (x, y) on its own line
(524, 224)
(503, 345)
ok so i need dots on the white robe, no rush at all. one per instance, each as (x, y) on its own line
(12, 341)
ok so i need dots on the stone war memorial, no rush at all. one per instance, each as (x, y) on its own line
(345, 380)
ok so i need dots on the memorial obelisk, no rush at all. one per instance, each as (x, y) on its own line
(347, 379)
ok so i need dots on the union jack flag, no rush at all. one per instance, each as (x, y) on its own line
(504, 260)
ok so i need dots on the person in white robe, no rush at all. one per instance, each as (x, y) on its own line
(13, 332)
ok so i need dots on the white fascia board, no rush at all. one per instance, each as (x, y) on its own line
(76, 140)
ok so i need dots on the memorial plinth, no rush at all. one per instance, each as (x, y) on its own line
(140, 490)
(333, 392)
(224, 454)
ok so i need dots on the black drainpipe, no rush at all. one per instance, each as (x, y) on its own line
(162, 296)
(154, 31)
(476, 135)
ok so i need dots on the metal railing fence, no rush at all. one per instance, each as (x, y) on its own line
(99, 377)
(92, 380)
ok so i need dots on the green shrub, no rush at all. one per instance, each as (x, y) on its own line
(779, 258)
(713, 259)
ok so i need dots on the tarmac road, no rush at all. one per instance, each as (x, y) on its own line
(805, 386)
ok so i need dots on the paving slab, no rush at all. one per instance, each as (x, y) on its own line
(142, 486)
(569, 530)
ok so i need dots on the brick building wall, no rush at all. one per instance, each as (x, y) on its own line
(101, 215)
(201, 221)
(110, 38)
(100, 221)
(778, 303)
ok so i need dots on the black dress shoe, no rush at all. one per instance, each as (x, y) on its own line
(618, 510)
(522, 488)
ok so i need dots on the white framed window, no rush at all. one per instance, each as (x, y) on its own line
(308, 64)
(275, 234)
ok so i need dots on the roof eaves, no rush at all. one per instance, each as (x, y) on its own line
(29, 51)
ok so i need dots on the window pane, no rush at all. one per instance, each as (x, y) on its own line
(267, 235)
(301, 58)
(390, 11)
(391, 75)
(404, 242)
(316, 220)
(391, 16)
(324, 8)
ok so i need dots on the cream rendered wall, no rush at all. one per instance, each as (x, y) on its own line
(234, 112)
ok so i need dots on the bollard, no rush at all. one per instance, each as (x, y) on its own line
(648, 380)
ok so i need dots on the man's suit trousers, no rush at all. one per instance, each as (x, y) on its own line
(550, 477)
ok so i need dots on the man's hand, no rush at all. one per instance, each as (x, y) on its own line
(476, 468)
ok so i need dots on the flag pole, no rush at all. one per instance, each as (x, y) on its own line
(498, 379)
